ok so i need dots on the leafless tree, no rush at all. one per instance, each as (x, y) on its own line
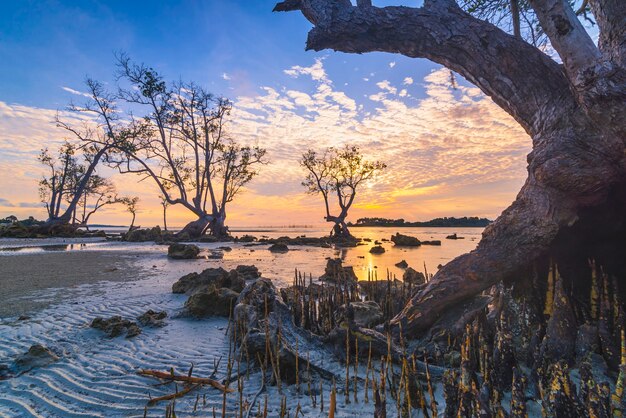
(72, 187)
(573, 106)
(100, 192)
(186, 151)
(131, 207)
(338, 172)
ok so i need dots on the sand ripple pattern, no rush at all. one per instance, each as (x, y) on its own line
(96, 376)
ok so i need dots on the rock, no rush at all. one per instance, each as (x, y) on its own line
(405, 240)
(433, 242)
(234, 281)
(183, 251)
(213, 301)
(37, 356)
(133, 330)
(377, 250)
(116, 326)
(248, 272)
(208, 238)
(246, 238)
(336, 271)
(152, 318)
(144, 235)
(402, 264)
(454, 236)
(365, 314)
(225, 248)
(215, 255)
(413, 276)
(192, 281)
(279, 247)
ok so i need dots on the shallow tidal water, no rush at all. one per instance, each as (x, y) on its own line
(96, 376)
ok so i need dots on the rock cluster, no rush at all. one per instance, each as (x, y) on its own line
(183, 251)
(152, 318)
(405, 240)
(413, 276)
(116, 326)
(214, 290)
(378, 249)
(335, 271)
(279, 247)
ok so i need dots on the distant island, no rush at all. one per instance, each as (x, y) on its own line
(472, 221)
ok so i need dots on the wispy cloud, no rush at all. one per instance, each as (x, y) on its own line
(454, 152)
(76, 92)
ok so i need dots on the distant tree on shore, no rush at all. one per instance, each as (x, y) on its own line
(338, 172)
(70, 191)
(131, 207)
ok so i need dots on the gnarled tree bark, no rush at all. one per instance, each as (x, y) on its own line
(575, 114)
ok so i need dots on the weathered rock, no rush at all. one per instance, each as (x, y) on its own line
(405, 240)
(144, 235)
(215, 255)
(433, 242)
(413, 276)
(246, 238)
(279, 247)
(208, 238)
(183, 251)
(37, 356)
(454, 236)
(365, 314)
(377, 250)
(211, 302)
(234, 281)
(192, 281)
(116, 326)
(335, 271)
(587, 341)
(402, 264)
(248, 272)
(152, 318)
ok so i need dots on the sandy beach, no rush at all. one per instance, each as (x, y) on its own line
(25, 275)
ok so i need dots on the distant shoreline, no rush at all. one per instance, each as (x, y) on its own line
(465, 222)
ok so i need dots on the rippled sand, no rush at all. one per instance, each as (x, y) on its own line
(64, 289)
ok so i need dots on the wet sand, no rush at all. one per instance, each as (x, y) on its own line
(26, 274)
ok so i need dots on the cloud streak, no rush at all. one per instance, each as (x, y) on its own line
(451, 153)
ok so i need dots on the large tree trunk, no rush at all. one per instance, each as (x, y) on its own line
(197, 228)
(575, 114)
(340, 229)
(218, 227)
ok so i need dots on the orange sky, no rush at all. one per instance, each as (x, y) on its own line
(452, 152)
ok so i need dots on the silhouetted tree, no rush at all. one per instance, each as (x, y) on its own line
(186, 150)
(337, 173)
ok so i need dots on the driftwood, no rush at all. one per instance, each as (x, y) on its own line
(176, 395)
(186, 379)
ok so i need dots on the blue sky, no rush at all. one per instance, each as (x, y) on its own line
(396, 108)
(45, 45)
